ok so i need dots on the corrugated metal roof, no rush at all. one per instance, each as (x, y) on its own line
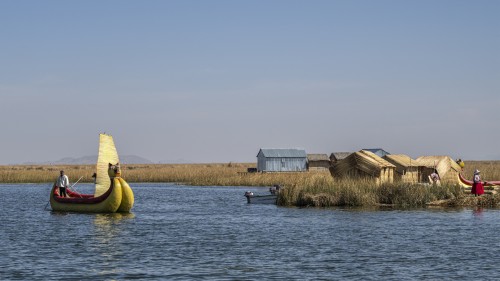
(283, 153)
(379, 151)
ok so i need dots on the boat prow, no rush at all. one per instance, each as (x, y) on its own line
(127, 197)
(468, 183)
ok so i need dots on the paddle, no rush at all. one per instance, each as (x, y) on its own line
(71, 187)
(47, 203)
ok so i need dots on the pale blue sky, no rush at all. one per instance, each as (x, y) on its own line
(214, 81)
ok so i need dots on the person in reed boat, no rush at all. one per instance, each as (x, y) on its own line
(477, 185)
(62, 183)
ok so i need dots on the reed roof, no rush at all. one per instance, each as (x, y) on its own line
(365, 161)
(401, 160)
(443, 164)
(318, 157)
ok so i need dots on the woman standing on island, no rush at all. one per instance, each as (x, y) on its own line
(477, 186)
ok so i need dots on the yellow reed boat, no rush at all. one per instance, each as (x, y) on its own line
(112, 193)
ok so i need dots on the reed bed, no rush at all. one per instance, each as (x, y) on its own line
(490, 170)
(318, 189)
(359, 193)
(193, 174)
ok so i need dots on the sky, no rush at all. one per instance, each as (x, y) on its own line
(215, 81)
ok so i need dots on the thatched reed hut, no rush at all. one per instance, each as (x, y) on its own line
(407, 169)
(364, 164)
(446, 168)
(318, 162)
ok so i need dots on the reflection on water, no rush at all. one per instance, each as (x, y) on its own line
(478, 212)
(186, 233)
(107, 219)
(107, 229)
(107, 241)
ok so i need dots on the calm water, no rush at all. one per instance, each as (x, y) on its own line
(210, 233)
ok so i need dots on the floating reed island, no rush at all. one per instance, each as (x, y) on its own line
(312, 188)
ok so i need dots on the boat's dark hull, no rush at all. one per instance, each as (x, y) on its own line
(108, 202)
(261, 199)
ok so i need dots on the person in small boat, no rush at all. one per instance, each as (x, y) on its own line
(477, 185)
(62, 183)
(275, 189)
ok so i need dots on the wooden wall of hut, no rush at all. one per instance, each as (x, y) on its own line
(406, 168)
(409, 175)
(318, 165)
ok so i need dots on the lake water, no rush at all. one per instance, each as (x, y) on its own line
(210, 233)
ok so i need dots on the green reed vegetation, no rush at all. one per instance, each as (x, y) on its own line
(318, 189)
(323, 192)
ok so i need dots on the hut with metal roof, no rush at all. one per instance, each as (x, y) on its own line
(281, 160)
(407, 169)
(318, 162)
(446, 168)
(336, 156)
(364, 165)
(378, 151)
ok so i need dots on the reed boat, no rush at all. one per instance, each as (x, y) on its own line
(112, 193)
(469, 183)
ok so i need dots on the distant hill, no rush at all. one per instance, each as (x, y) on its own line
(89, 160)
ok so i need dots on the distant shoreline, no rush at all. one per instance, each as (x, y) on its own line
(194, 174)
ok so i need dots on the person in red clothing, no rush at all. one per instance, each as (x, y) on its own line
(477, 186)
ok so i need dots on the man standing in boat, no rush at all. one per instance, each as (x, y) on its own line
(62, 182)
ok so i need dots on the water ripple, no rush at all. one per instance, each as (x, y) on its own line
(210, 233)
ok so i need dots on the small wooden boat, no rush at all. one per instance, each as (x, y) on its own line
(260, 199)
(112, 193)
(271, 198)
